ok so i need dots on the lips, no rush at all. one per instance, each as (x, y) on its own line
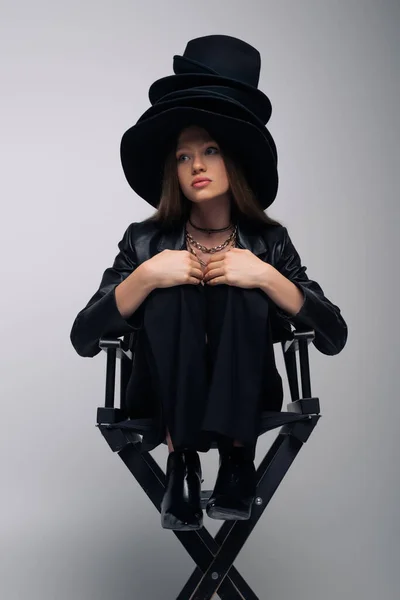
(201, 184)
(202, 180)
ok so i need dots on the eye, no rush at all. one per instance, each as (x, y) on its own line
(182, 156)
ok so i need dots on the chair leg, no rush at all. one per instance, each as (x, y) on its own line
(214, 558)
(242, 589)
(199, 544)
(233, 534)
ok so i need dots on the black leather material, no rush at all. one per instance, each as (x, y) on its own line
(181, 504)
(235, 486)
(142, 240)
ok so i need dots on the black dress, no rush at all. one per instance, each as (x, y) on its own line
(207, 356)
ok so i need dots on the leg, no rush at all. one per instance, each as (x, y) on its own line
(205, 390)
(174, 324)
(174, 321)
(238, 338)
(238, 444)
(237, 328)
(169, 442)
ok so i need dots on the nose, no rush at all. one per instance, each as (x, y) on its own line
(198, 163)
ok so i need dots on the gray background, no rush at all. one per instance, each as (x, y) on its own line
(75, 525)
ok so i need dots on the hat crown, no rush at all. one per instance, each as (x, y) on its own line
(222, 55)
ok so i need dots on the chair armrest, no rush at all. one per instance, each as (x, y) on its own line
(115, 348)
(120, 345)
(299, 341)
(292, 345)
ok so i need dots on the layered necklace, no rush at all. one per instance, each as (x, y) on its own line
(192, 242)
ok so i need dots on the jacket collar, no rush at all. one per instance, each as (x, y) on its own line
(247, 238)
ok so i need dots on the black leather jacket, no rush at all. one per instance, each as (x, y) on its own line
(142, 240)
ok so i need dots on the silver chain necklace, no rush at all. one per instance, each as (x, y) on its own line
(214, 249)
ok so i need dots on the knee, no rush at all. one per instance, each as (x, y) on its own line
(172, 296)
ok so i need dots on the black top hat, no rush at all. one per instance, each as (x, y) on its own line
(231, 109)
(217, 60)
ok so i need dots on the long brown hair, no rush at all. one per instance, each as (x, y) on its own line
(174, 208)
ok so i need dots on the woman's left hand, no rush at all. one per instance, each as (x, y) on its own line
(238, 267)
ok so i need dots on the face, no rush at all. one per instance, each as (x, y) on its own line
(198, 155)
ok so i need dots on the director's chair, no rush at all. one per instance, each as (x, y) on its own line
(214, 557)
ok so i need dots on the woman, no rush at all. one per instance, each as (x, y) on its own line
(201, 280)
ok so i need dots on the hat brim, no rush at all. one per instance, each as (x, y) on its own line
(226, 92)
(143, 150)
(172, 83)
(213, 102)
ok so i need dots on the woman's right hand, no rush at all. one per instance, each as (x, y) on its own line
(173, 267)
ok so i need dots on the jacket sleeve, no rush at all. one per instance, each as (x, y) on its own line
(317, 312)
(101, 317)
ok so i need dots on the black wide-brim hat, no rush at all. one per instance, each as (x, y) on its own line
(144, 146)
(220, 99)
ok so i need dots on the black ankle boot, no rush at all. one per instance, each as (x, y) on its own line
(181, 506)
(235, 487)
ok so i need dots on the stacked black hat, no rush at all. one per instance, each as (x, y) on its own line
(215, 86)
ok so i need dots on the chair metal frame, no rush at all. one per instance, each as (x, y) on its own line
(214, 557)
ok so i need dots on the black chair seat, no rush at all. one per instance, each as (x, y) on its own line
(270, 419)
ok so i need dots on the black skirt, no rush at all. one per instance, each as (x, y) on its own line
(204, 365)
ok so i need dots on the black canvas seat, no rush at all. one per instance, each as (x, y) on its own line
(214, 557)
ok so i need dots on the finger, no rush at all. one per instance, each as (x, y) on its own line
(216, 257)
(215, 267)
(194, 259)
(196, 272)
(217, 280)
(213, 273)
(215, 264)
